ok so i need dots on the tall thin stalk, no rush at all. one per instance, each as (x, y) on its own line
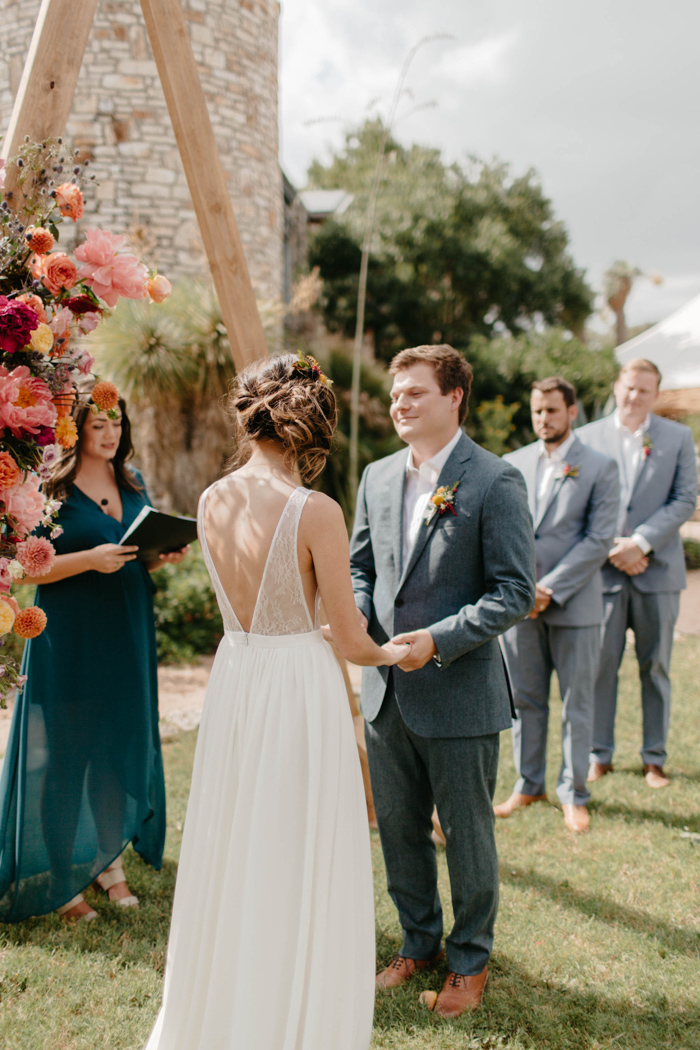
(364, 264)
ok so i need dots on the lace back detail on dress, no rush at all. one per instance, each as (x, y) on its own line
(281, 606)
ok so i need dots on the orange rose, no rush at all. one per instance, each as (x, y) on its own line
(9, 471)
(70, 201)
(60, 272)
(158, 288)
(64, 403)
(36, 304)
(39, 240)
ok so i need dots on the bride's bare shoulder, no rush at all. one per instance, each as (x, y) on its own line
(321, 512)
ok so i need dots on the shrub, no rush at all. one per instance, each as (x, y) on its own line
(691, 549)
(188, 621)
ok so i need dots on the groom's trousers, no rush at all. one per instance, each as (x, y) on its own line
(409, 773)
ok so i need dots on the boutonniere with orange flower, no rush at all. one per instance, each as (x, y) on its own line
(568, 470)
(442, 500)
(646, 445)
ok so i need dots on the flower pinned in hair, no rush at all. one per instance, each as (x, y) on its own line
(105, 397)
(309, 367)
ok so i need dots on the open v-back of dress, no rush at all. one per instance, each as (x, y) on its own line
(272, 938)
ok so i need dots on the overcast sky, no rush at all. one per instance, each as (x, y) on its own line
(601, 97)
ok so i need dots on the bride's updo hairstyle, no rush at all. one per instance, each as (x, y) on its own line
(286, 399)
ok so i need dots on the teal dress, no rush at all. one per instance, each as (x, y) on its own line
(83, 772)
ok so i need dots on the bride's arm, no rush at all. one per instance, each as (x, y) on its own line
(327, 539)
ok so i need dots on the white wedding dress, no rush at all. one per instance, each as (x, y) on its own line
(272, 937)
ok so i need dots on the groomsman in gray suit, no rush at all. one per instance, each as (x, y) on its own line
(442, 557)
(645, 570)
(574, 497)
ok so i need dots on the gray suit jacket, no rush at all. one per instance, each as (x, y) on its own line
(664, 496)
(573, 532)
(468, 578)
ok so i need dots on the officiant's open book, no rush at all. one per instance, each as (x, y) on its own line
(155, 533)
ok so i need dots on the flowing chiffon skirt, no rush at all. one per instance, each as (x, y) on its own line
(272, 937)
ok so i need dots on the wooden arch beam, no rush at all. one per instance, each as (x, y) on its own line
(43, 105)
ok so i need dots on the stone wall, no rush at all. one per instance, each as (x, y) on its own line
(120, 121)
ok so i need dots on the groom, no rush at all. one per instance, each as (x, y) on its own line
(442, 556)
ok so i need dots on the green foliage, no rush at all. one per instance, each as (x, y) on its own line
(456, 252)
(691, 549)
(506, 367)
(188, 621)
(495, 424)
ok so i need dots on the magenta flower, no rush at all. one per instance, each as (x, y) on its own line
(108, 272)
(17, 322)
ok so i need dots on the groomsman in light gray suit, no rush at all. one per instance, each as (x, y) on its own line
(645, 570)
(574, 497)
(442, 557)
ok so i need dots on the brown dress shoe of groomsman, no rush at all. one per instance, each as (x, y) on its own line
(515, 802)
(598, 770)
(576, 818)
(655, 777)
(402, 969)
(460, 992)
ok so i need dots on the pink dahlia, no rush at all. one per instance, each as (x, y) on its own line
(24, 503)
(25, 402)
(111, 275)
(35, 555)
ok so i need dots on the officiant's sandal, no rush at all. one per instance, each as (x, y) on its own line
(67, 911)
(112, 876)
(402, 969)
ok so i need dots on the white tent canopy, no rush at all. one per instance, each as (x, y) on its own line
(673, 345)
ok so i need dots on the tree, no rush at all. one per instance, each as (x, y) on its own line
(505, 368)
(174, 367)
(457, 252)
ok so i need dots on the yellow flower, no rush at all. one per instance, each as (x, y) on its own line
(66, 432)
(439, 498)
(7, 618)
(42, 339)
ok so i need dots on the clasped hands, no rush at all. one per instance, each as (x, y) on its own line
(627, 556)
(421, 649)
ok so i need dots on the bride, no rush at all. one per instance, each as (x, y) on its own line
(272, 938)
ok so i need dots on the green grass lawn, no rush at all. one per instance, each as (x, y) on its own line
(597, 942)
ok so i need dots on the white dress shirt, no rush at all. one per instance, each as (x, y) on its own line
(628, 453)
(421, 483)
(549, 468)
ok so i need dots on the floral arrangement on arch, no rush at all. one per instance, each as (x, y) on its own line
(49, 303)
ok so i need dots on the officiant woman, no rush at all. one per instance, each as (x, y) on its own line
(83, 774)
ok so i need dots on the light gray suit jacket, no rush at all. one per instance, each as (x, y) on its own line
(664, 496)
(573, 532)
(468, 578)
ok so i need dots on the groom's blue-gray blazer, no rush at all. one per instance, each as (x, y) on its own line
(468, 578)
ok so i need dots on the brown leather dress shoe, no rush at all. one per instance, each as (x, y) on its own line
(515, 802)
(460, 992)
(402, 969)
(655, 777)
(598, 770)
(576, 818)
